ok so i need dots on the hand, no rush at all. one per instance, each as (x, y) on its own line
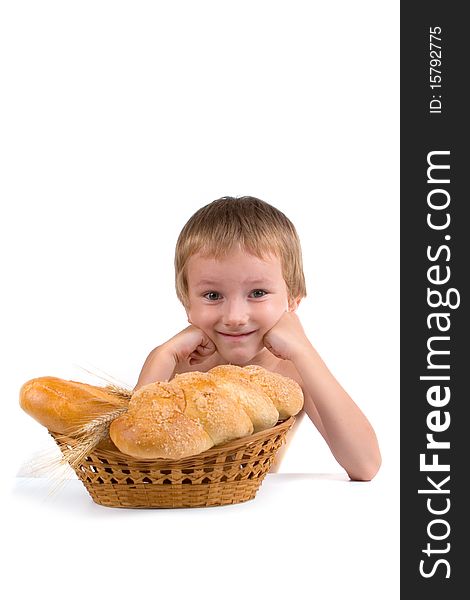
(287, 338)
(191, 345)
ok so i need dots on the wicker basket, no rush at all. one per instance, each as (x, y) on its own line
(226, 474)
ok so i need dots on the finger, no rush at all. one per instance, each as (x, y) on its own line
(196, 359)
(206, 350)
(208, 344)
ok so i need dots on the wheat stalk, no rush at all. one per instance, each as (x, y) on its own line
(76, 444)
(119, 392)
(88, 436)
(110, 378)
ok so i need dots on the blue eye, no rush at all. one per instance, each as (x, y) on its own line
(258, 293)
(212, 296)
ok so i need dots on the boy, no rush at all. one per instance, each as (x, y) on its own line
(238, 273)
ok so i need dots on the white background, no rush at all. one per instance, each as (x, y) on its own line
(118, 121)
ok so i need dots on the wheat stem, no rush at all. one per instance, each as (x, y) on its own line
(88, 436)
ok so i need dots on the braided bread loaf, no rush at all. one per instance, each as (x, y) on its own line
(195, 411)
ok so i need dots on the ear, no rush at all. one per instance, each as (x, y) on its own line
(294, 303)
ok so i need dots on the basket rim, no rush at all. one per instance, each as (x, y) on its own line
(230, 446)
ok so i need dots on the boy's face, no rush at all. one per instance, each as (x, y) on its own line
(235, 301)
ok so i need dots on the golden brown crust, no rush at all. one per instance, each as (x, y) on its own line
(59, 404)
(160, 399)
(155, 426)
(255, 402)
(171, 439)
(286, 394)
(214, 407)
(230, 373)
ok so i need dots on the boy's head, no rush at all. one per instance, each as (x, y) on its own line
(247, 223)
(238, 268)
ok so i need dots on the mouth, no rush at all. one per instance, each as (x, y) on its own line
(236, 336)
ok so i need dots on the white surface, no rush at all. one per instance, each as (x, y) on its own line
(118, 121)
(303, 536)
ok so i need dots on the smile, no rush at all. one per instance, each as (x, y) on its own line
(236, 336)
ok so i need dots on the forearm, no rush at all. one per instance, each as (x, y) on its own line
(349, 434)
(159, 366)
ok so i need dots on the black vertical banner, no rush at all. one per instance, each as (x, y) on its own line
(435, 357)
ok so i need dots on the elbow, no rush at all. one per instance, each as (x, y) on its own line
(138, 385)
(141, 383)
(366, 471)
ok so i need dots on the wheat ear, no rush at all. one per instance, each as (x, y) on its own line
(88, 436)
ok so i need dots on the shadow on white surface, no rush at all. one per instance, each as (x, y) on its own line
(70, 495)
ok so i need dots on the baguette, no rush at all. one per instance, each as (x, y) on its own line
(62, 405)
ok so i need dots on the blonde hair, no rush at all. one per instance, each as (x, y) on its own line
(254, 225)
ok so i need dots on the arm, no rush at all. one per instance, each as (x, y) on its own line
(190, 346)
(345, 428)
(158, 366)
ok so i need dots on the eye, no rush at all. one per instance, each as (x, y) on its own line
(258, 293)
(212, 296)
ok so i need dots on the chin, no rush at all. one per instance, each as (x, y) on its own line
(240, 358)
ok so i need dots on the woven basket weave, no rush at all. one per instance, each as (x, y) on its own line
(226, 474)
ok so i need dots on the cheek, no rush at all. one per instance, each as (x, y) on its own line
(199, 315)
(270, 314)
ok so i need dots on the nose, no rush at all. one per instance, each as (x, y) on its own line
(235, 314)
